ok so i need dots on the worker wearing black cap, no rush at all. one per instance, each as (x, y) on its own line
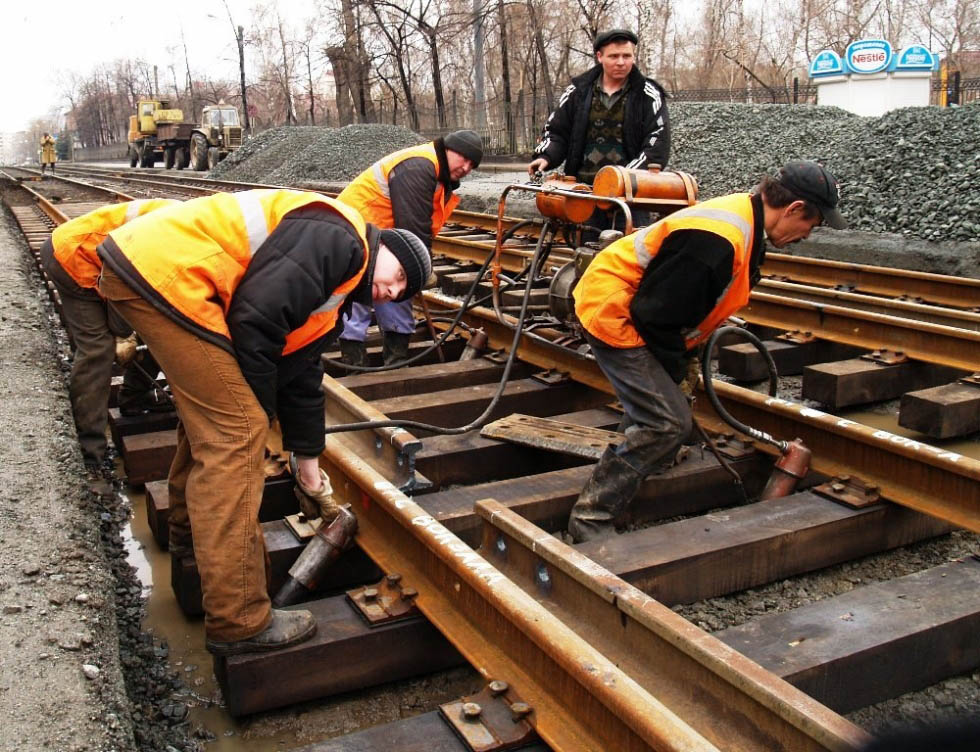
(413, 189)
(650, 299)
(609, 115)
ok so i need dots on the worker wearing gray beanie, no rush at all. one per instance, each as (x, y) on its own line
(467, 143)
(412, 255)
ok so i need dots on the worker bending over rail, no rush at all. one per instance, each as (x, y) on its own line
(236, 294)
(648, 300)
(412, 189)
(69, 259)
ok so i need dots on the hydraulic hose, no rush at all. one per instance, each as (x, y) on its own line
(709, 389)
(445, 335)
(479, 420)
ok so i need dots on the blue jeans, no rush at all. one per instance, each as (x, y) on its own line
(657, 413)
(392, 317)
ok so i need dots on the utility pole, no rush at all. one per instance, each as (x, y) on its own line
(479, 86)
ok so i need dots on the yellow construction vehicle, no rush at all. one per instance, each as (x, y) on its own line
(158, 132)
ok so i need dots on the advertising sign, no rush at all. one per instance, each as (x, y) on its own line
(827, 63)
(868, 56)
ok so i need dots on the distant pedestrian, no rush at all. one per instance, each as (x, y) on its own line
(48, 157)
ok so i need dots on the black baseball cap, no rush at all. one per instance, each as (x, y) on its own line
(814, 183)
(613, 35)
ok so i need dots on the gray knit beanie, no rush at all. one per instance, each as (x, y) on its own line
(467, 143)
(412, 255)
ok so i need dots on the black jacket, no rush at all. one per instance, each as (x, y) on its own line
(681, 286)
(412, 186)
(646, 125)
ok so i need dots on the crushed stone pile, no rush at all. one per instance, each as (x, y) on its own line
(294, 154)
(913, 171)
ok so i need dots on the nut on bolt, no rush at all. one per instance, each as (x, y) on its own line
(393, 579)
(471, 711)
(409, 594)
(498, 687)
(370, 594)
(519, 710)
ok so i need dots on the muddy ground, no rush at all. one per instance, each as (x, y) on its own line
(79, 672)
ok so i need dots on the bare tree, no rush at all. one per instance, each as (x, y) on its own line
(239, 32)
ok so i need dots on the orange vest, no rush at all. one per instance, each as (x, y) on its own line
(604, 293)
(369, 193)
(75, 241)
(195, 257)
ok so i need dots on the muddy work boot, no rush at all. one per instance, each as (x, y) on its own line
(394, 348)
(286, 628)
(607, 493)
(353, 352)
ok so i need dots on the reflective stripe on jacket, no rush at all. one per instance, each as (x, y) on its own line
(191, 260)
(75, 241)
(369, 191)
(603, 295)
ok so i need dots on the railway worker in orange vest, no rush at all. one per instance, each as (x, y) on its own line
(412, 189)
(48, 156)
(236, 295)
(650, 299)
(69, 259)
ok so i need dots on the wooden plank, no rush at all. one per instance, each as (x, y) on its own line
(431, 378)
(345, 654)
(859, 381)
(147, 456)
(470, 458)
(546, 499)
(942, 412)
(351, 569)
(875, 642)
(552, 435)
(451, 349)
(743, 362)
(734, 549)
(458, 407)
(122, 425)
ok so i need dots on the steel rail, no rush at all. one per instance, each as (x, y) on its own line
(580, 700)
(919, 340)
(942, 289)
(911, 473)
(954, 317)
(728, 698)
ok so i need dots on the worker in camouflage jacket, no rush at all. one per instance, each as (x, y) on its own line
(609, 115)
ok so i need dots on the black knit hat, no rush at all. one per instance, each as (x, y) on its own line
(467, 143)
(814, 183)
(412, 255)
(613, 35)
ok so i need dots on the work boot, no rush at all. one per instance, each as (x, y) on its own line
(394, 348)
(607, 493)
(353, 352)
(286, 628)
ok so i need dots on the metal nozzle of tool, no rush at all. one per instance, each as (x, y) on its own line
(323, 550)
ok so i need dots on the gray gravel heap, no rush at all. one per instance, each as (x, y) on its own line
(913, 171)
(294, 154)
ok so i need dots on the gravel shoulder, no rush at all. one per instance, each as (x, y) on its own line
(57, 591)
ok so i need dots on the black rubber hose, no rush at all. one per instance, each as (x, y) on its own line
(709, 389)
(463, 308)
(479, 420)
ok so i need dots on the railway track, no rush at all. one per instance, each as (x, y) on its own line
(580, 646)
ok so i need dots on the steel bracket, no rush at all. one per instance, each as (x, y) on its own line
(845, 288)
(911, 299)
(385, 602)
(492, 720)
(301, 526)
(850, 491)
(497, 356)
(796, 337)
(972, 380)
(734, 447)
(886, 357)
(551, 377)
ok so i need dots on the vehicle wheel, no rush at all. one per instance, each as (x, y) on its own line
(213, 157)
(134, 156)
(199, 152)
(182, 157)
(168, 158)
(151, 158)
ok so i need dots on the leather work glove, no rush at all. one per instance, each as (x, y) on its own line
(690, 381)
(318, 503)
(126, 349)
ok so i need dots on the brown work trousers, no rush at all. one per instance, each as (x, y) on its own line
(217, 476)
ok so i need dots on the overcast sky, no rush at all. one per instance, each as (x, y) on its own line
(44, 38)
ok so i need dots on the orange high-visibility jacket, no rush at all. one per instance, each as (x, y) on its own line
(604, 293)
(75, 241)
(189, 261)
(369, 192)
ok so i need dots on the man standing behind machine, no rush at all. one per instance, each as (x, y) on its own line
(412, 189)
(609, 115)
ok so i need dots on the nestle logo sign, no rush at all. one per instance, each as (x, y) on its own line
(868, 55)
